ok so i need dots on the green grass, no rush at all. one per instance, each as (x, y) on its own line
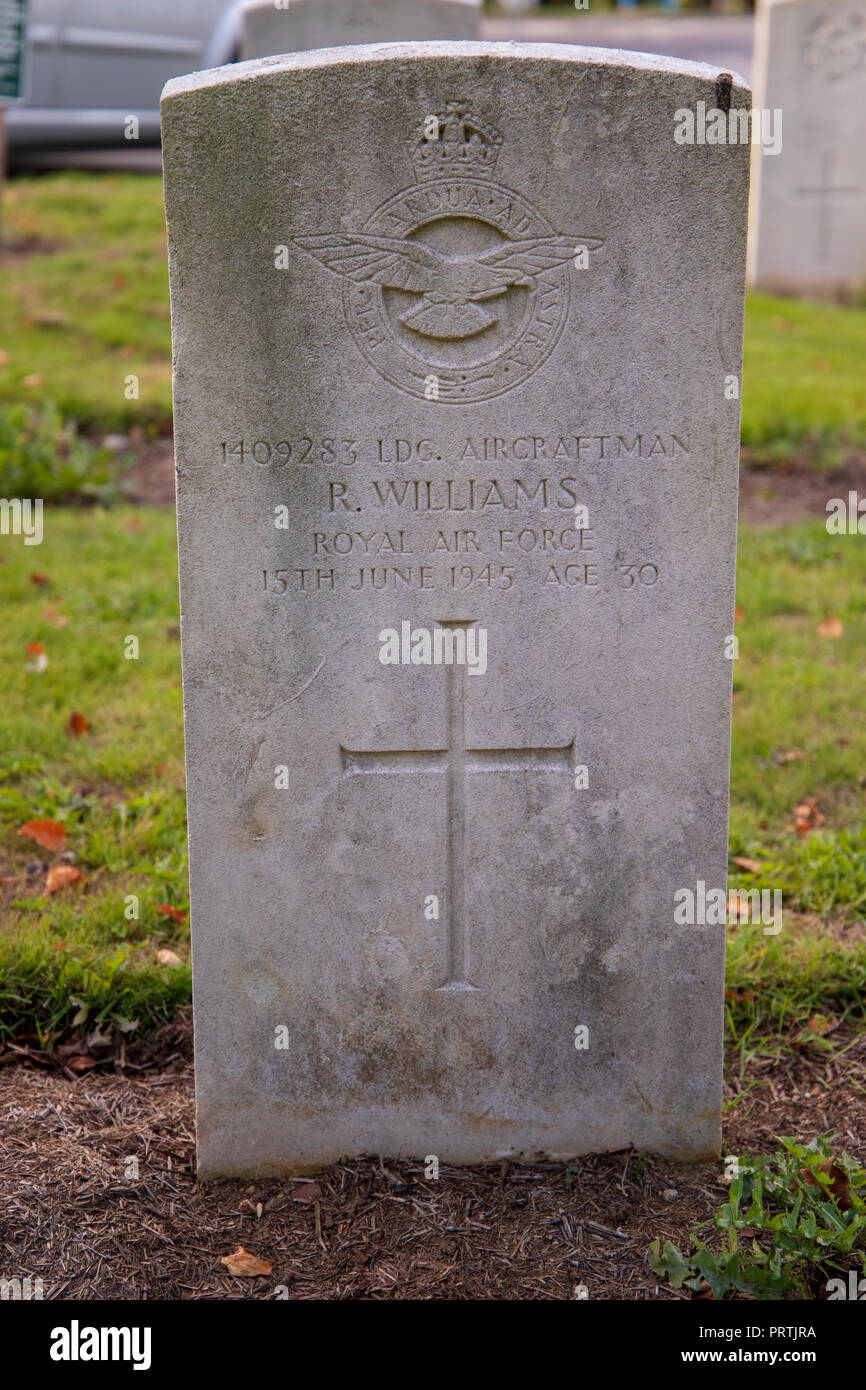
(776, 985)
(42, 456)
(796, 691)
(119, 788)
(793, 1221)
(804, 383)
(88, 305)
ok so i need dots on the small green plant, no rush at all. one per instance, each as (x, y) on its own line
(40, 456)
(790, 1221)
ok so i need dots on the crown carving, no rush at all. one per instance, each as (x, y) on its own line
(454, 143)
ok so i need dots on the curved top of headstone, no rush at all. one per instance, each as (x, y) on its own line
(618, 58)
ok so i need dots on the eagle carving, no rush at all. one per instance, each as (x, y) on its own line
(452, 289)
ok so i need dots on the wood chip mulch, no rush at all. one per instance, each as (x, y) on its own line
(98, 1197)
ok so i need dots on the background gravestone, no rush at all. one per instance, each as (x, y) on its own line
(808, 214)
(307, 24)
(405, 897)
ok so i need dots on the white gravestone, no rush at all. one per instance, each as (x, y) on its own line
(455, 327)
(305, 24)
(808, 214)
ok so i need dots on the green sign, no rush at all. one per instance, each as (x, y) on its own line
(13, 44)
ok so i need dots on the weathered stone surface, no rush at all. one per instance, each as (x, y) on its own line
(307, 24)
(808, 213)
(430, 423)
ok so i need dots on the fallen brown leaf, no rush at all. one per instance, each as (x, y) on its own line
(48, 833)
(177, 914)
(738, 907)
(49, 318)
(77, 725)
(38, 657)
(831, 628)
(753, 865)
(821, 1024)
(80, 1063)
(62, 876)
(807, 816)
(840, 1187)
(37, 577)
(241, 1262)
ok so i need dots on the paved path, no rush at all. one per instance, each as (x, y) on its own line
(725, 41)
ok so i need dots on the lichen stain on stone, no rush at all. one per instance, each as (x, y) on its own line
(399, 1065)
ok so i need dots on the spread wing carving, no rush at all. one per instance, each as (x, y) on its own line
(451, 286)
(534, 255)
(387, 261)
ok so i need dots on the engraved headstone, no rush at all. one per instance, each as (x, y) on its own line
(808, 213)
(457, 487)
(304, 24)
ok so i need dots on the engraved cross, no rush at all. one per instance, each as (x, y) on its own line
(456, 761)
(827, 192)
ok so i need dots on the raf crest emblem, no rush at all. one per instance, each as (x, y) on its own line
(457, 279)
